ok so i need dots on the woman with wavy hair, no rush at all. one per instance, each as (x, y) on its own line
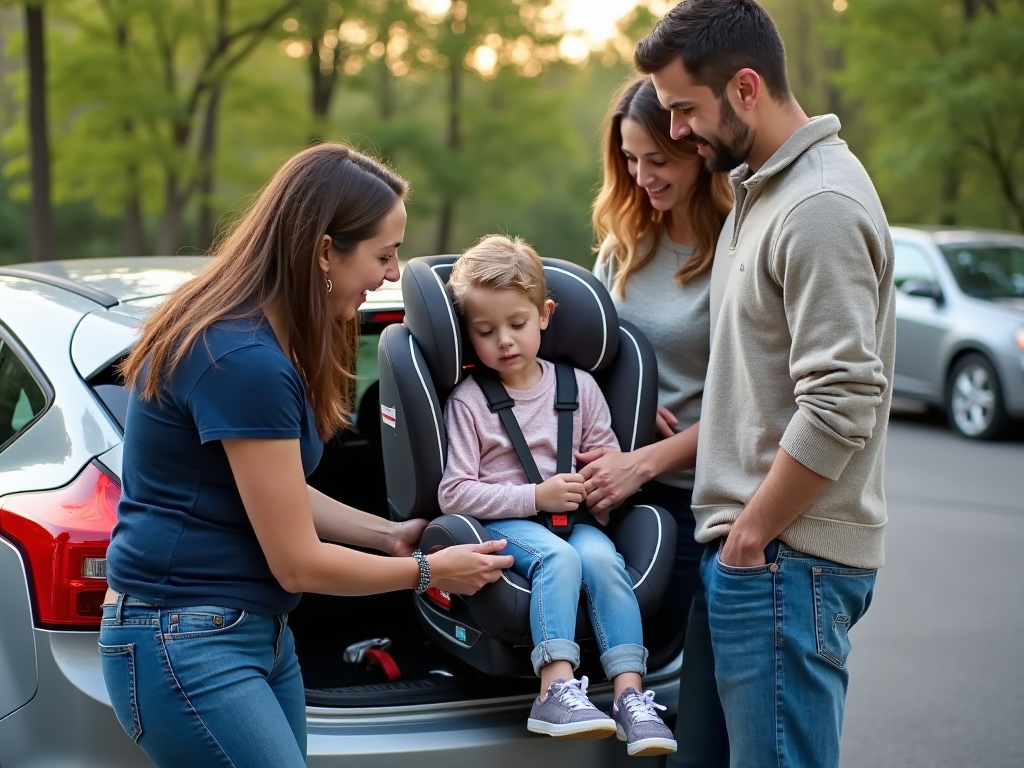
(657, 218)
(236, 381)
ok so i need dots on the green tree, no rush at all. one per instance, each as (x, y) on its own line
(137, 89)
(472, 42)
(942, 83)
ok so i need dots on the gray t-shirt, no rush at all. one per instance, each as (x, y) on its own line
(677, 321)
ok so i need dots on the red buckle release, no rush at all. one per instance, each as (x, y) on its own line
(384, 661)
(560, 520)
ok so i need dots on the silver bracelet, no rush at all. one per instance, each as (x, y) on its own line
(424, 582)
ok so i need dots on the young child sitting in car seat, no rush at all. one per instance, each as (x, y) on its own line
(499, 289)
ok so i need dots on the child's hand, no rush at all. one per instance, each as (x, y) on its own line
(561, 493)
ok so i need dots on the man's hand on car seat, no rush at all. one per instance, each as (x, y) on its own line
(465, 568)
(406, 537)
(561, 493)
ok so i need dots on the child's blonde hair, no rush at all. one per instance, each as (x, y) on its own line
(499, 262)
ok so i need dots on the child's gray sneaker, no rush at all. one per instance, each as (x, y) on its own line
(639, 725)
(567, 712)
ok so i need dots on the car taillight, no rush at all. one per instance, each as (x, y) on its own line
(63, 535)
(385, 317)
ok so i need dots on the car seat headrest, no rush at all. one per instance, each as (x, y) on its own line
(583, 330)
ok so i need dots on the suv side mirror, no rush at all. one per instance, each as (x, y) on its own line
(924, 288)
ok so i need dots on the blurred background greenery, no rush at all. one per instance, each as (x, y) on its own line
(161, 118)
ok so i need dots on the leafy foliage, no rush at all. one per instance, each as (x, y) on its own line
(166, 117)
(942, 83)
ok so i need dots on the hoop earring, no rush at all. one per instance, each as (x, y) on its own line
(330, 285)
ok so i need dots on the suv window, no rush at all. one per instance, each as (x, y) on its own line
(911, 264)
(987, 271)
(367, 371)
(21, 397)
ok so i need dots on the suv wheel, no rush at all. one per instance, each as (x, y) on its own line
(974, 402)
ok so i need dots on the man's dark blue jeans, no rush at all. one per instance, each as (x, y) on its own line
(780, 639)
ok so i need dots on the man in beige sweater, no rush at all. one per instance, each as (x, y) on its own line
(788, 492)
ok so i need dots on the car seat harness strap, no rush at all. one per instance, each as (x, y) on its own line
(566, 403)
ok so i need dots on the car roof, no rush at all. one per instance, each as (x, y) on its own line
(947, 235)
(97, 304)
(120, 279)
(113, 281)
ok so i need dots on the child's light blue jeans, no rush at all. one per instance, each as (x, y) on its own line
(558, 569)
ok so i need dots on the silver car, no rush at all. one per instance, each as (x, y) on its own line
(63, 327)
(960, 324)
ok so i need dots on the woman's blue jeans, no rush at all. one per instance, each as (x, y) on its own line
(204, 685)
(558, 569)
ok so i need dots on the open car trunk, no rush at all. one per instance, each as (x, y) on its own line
(352, 471)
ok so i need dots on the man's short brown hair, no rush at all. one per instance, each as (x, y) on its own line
(716, 39)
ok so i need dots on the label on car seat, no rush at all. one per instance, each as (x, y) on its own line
(387, 415)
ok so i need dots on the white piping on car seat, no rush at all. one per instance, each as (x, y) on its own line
(600, 306)
(639, 389)
(481, 541)
(657, 549)
(430, 402)
(454, 324)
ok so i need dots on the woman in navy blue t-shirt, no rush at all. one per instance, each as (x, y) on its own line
(236, 381)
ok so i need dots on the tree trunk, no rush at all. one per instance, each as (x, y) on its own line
(322, 84)
(950, 195)
(447, 217)
(134, 238)
(41, 210)
(206, 227)
(835, 62)
(386, 101)
(1011, 193)
(170, 224)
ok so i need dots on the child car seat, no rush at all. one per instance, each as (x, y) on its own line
(421, 361)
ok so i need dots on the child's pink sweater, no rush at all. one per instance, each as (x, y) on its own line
(483, 477)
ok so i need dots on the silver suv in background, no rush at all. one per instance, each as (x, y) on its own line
(960, 324)
(63, 328)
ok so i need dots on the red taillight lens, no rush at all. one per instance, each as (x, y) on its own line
(385, 317)
(63, 535)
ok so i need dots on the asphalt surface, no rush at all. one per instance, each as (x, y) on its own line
(937, 668)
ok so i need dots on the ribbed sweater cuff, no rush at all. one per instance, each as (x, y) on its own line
(526, 505)
(816, 449)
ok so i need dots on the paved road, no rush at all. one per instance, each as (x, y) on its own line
(938, 662)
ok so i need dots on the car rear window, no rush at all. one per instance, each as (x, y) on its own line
(110, 389)
(108, 385)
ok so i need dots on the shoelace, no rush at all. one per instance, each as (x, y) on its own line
(641, 707)
(573, 694)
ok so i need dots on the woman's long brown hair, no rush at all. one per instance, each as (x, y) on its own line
(627, 225)
(269, 259)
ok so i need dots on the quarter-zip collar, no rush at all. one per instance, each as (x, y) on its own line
(744, 183)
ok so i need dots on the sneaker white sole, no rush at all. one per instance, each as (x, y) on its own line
(646, 747)
(588, 729)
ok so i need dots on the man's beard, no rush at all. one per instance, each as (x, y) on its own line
(732, 147)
